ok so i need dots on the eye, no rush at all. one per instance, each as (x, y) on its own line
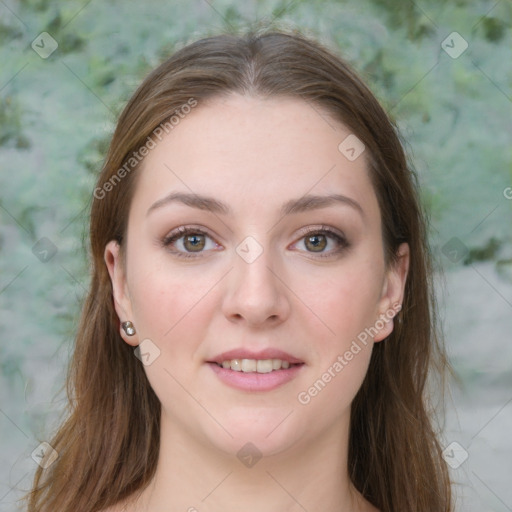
(185, 241)
(323, 241)
(190, 242)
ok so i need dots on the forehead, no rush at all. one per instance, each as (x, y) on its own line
(254, 151)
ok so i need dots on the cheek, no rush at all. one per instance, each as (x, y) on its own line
(165, 302)
(342, 352)
(343, 310)
(345, 303)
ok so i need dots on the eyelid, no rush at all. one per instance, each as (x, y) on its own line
(182, 231)
(320, 228)
(328, 231)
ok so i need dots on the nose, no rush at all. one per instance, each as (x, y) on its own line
(256, 293)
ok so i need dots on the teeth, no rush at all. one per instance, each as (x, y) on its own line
(264, 366)
(248, 365)
(236, 365)
(255, 365)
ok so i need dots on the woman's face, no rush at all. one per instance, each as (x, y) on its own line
(282, 260)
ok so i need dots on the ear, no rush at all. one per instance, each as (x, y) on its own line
(114, 261)
(393, 291)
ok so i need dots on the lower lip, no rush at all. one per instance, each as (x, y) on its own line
(253, 381)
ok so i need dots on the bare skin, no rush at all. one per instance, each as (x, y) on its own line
(306, 293)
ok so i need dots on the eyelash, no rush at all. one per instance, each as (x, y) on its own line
(329, 233)
(323, 230)
(180, 233)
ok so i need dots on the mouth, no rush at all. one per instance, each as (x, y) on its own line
(264, 371)
(255, 365)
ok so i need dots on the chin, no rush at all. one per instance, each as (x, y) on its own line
(267, 432)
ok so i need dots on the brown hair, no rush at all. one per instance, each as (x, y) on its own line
(108, 447)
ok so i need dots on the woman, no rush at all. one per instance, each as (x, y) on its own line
(261, 322)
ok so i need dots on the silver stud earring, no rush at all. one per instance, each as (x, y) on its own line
(128, 328)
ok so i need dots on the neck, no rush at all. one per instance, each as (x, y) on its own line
(194, 477)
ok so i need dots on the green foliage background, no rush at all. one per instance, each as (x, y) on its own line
(57, 114)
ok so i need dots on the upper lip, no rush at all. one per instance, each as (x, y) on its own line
(241, 353)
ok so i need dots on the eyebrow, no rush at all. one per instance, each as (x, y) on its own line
(302, 204)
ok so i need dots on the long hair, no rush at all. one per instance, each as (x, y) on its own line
(108, 445)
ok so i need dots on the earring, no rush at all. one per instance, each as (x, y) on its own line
(128, 328)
